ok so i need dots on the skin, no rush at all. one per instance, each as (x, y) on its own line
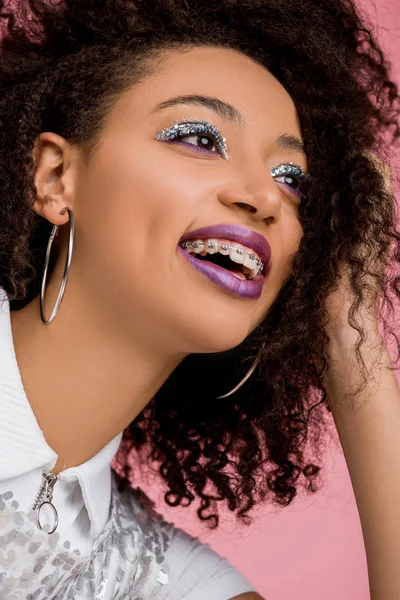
(131, 306)
(131, 309)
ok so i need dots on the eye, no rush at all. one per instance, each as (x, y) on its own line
(204, 142)
(201, 135)
(290, 175)
(289, 180)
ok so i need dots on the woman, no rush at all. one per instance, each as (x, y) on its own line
(194, 234)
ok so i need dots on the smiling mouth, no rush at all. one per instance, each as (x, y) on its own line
(236, 258)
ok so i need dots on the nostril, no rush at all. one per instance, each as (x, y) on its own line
(248, 206)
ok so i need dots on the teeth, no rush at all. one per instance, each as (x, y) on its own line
(212, 246)
(236, 254)
(250, 261)
(199, 246)
(252, 265)
(250, 274)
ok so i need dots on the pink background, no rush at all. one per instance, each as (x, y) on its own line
(313, 549)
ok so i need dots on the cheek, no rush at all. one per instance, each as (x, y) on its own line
(146, 187)
(134, 210)
(128, 196)
(285, 240)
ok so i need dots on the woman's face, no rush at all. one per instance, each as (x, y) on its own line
(140, 194)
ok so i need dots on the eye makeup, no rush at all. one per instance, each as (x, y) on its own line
(291, 174)
(181, 129)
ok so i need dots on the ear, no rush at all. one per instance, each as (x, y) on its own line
(55, 177)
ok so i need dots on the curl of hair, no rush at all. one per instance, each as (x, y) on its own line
(64, 63)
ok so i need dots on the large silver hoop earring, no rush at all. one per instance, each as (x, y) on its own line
(53, 234)
(247, 376)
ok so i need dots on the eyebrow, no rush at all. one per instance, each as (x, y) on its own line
(290, 142)
(223, 109)
(227, 111)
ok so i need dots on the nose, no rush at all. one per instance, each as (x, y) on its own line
(258, 194)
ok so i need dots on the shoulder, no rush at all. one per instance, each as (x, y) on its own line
(194, 570)
(198, 571)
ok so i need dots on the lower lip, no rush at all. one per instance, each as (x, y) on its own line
(225, 280)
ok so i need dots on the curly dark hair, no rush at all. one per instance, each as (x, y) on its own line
(64, 63)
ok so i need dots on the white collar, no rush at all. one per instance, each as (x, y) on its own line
(22, 444)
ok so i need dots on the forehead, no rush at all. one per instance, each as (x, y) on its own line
(222, 73)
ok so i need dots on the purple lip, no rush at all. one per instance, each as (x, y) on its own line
(235, 233)
(245, 288)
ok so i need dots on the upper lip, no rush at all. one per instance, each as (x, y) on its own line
(236, 233)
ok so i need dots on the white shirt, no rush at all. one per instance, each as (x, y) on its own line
(108, 544)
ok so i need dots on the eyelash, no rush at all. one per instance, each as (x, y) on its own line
(181, 129)
(294, 173)
(194, 128)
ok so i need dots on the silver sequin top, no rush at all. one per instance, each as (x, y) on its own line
(138, 556)
(109, 543)
(127, 558)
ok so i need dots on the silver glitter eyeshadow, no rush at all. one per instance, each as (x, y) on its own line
(126, 561)
(289, 169)
(192, 127)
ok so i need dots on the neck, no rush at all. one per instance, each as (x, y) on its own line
(85, 379)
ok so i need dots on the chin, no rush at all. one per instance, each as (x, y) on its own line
(219, 340)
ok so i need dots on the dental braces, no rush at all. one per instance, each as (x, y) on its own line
(225, 246)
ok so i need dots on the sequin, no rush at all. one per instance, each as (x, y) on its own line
(127, 560)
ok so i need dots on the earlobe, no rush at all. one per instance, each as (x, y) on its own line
(53, 177)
